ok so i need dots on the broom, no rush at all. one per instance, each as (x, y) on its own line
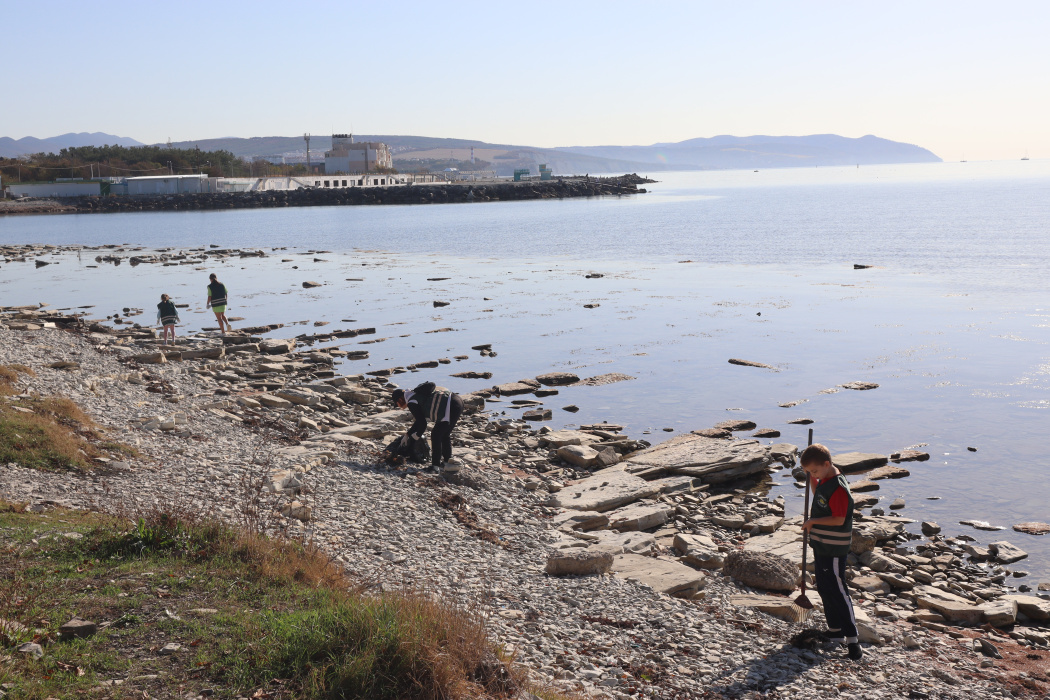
(802, 606)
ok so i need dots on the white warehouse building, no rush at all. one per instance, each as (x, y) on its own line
(168, 184)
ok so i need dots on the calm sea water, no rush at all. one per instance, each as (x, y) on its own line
(953, 321)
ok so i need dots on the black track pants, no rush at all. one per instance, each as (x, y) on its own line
(833, 590)
(441, 434)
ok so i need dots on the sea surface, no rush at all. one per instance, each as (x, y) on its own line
(952, 322)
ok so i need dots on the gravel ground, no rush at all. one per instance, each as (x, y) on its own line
(601, 635)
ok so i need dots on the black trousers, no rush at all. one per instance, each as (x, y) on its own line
(834, 593)
(441, 434)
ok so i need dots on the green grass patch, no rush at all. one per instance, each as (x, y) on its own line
(252, 617)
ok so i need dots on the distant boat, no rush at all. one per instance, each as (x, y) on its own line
(1025, 156)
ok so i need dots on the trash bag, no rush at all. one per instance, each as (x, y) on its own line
(407, 448)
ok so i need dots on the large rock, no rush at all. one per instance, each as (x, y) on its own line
(578, 562)
(890, 471)
(570, 520)
(759, 570)
(1006, 553)
(1032, 607)
(699, 550)
(77, 629)
(605, 490)
(558, 378)
(661, 575)
(640, 516)
(954, 608)
(621, 542)
(514, 388)
(1000, 613)
(273, 401)
(853, 462)
(578, 455)
(711, 459)
(1032, 528)
(302, 398)
(734, 425)
(204, 354)
(277, 346)
(785, 543)
(561, 438)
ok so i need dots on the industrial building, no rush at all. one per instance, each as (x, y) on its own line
(169, 184)
(349, 157)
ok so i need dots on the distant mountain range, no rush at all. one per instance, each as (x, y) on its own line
(410, 152)
(12, 148)
(764, 151)
(715, 153)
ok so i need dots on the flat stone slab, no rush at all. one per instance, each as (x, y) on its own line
(910, 456)
(860, 386)
(661, 575)
(712, 460)
(578, 563)
(751, 363)
(853, 462)
(514, 388)
(620, 542)
(273, 401)
(1000, 613)
(739, 424)
(1032, 528)
(639, 516)
(785, 542)
(954, 608)
(577, 520)
(578, 455)
(699, 551)
(561, 438)
(1032, 607)
(604, 490)
(558, 378)
(1006, 553)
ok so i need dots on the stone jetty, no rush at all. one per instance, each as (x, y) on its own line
(456, 193)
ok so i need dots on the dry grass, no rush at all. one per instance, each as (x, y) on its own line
(50, 433)
(9, 378)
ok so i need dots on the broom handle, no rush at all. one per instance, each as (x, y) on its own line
(805, 516)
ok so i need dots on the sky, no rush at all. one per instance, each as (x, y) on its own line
(963, 79)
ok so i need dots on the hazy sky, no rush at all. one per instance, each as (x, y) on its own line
(964, 79)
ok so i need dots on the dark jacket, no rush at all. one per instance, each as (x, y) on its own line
(828, 540)
(429, 402)
(218, 293)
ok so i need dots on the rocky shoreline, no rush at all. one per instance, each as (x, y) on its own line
(459, 193)
(609, 566)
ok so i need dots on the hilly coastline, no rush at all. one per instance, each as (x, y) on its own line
(415, 153)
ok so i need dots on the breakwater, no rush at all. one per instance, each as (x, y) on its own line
(458, 193)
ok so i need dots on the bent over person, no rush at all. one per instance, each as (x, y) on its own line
(830, 525)
(430, 402)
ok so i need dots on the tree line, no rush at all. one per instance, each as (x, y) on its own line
(133, 161)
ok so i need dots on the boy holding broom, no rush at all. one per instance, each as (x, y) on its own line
(830, 527)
